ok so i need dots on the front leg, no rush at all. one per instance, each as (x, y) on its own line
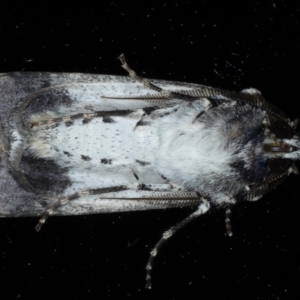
(163, 94)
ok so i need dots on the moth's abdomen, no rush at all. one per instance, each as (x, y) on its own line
(110, 141)
(110, 151)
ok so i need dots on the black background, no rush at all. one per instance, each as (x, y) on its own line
(226, 44)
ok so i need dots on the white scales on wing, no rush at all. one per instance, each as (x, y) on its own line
(103, 150)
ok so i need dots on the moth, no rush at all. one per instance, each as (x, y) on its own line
(75, 144)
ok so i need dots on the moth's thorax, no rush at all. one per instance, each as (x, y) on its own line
(218, 153)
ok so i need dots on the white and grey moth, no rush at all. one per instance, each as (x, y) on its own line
(81, 143)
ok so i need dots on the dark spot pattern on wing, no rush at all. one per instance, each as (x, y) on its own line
(142, 163)
(85, 157)
(68, 153)
(106, 161)
(108, 119)
(44, 174)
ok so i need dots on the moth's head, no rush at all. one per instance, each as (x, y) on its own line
(281, 148)
(282, 144)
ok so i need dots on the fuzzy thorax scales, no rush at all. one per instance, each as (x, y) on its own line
(209, 153)
(199, 150)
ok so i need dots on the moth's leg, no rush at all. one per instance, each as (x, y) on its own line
(202, 209)
(164, 94)
(228, 221)
(207, 104)
(160, 187)
(133, 74)
(64, 200)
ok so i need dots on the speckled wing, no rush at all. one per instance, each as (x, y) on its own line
(61, 136)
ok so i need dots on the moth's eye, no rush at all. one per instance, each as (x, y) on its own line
(282, 130)
(280, 165)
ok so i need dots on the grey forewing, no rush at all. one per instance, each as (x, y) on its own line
(25, 94)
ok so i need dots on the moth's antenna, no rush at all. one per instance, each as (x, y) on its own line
(202, 209)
